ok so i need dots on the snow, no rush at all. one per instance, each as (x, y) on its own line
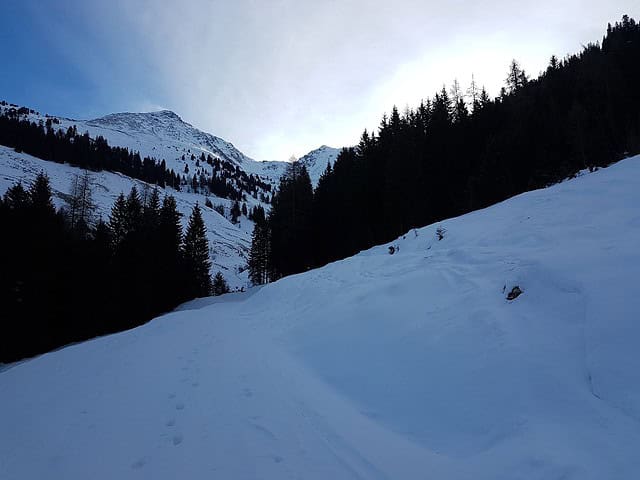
(316, 161)
(229, 243)
(165, 136)
(411, 365)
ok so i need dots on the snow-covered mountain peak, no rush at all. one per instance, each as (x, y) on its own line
(316, 161)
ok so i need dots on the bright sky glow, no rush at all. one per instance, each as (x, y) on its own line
(277, 78)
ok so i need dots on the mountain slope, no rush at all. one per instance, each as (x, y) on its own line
(229, 244)
(316, 161)
(165, 136)
(409, 365)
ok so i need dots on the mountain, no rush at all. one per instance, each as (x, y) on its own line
(316, 161)
(229, 243)
(160, 134)
(406, 365)
(164, 136)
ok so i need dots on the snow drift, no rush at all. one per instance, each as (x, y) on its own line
(411, 365)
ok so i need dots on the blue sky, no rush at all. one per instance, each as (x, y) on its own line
(276, 77)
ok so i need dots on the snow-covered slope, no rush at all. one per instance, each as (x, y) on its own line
(160, 135)
(229, 244)
(165, 136)
(411, 365)
(316, 161)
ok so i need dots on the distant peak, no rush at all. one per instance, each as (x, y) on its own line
(166, 113)
(161, 114)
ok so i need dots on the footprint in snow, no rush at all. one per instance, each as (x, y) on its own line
(177, 439)
(179, 406)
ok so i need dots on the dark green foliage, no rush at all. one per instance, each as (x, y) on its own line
(40, 196)
(440, 160)
(16, 197)
(290, 222)
(220, 286)
(259, 254)
(118, 220)
(58, 287)
(235, 212)
(196, 255)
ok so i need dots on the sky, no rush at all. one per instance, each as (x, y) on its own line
(277, 77)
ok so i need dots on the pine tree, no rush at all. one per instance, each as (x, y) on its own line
(168, 242)
(235, 212)
(260, 252)
(196, 255)
(16, 197)
(220, 285)
(40, 196)
(133, 211)
(118, 220)
(151, 212)
(290, 223)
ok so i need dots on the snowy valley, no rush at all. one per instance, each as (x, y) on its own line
(164, 136)
(405, 365)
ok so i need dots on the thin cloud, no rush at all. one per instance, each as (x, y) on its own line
(279, 78)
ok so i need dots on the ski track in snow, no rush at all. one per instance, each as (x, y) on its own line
(412, 365)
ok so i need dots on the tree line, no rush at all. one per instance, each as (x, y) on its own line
(457, 152)
(64, 279)
(45, 140)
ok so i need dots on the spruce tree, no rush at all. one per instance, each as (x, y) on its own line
(16, 197)
(168, 243)
(133, 211)
(220, 285)
(40, 196)
(118, 220)
(196, 255)
(290, 223)
(259, 253)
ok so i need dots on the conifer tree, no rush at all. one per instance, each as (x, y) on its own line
(118, 220)
(290, 222)
(40, 196)
(168, 243)
(16, 197)
(259, 253)
(196, 255)
(133, 211)
(220, 285)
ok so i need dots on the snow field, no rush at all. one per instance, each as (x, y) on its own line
(411, 365)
